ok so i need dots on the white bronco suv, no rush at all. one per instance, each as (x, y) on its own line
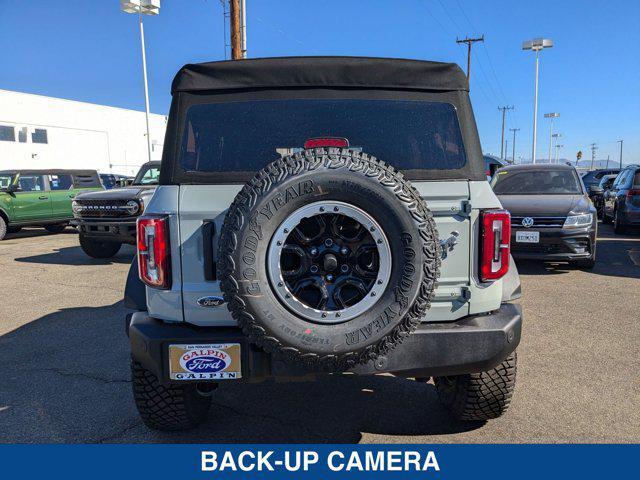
(321, 215)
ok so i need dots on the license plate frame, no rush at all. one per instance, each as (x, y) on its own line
(527, 236)
(205, 361)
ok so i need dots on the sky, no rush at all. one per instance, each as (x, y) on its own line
(89, 50)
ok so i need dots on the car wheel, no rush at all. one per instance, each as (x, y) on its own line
(618, 226)
(329, 258)
(99, 249)
(479, 396)
(3, 228)
(56, 228)
(169, 407)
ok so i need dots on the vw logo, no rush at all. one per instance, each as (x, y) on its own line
(527, 222)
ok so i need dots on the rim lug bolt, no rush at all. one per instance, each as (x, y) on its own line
(287, 296)
(328, 242)
(337, 314)
(379, 240)
(344, 250)
(344, 268)
(373, 294)
(379, 282)
(372, 229)
(324, 314)
(279, 243)
(313, 251)
(286, 230)
(322, 209)
(335, 209)
(314, 269)
(329, 278)
(280, 284)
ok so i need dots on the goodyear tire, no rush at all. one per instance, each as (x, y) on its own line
(168, 407)
(479, 396)
(341, 221)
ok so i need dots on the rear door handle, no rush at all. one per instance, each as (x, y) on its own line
(43, 197)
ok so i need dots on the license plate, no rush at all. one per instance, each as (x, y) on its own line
(528, 237)
(215, 361)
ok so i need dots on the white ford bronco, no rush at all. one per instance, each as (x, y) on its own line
(321, 215)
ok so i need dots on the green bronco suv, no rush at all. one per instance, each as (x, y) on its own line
(41, 198)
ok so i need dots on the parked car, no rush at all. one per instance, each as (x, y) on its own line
(107, 219)
(552, 217)
(596, 192)
(622, 201)
(327, 259)
(593, 177)
(41, 198)
(491, 164)
(113, 180)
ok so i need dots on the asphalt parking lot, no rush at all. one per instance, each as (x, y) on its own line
(64, 374)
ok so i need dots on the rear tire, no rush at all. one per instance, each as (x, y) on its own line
(3, 228)
(167, 407)
(98, 249)
(605, 219)
(56, 228)
(618, 226)
(479, 396)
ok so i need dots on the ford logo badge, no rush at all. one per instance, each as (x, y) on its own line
(213, 301)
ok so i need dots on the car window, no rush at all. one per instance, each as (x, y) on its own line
(60, 182)
(148, 176)
(109, 181)
(31, 183)
(636, 179)
(245, 136)
(536, 182)
(5, 180)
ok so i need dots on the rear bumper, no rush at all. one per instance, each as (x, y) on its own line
(116, 230)
(559, 244)
(470, 344)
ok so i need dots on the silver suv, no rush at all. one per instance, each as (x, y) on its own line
(321, 216)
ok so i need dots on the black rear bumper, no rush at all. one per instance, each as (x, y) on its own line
(470, 344)
(556, 244)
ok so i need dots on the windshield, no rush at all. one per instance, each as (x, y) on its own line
(148, 175)
(245, 136)
(536, 182)
(5, 180)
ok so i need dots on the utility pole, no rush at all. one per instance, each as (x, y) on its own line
(620, 142)
(504, 113)
(236, 34)
(594, 147)
(558, 147)
(469, 42)
(607, 161)
(513, 145)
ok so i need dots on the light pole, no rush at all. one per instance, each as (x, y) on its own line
(143, 7)
(551, 116)
(555, 137)
(558, 147)
(620, 142)
(536, 45)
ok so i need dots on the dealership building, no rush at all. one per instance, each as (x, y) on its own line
(46, 132)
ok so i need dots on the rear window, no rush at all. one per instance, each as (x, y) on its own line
(148, 175)
(245, 136)
(81, 180)
(536, 182)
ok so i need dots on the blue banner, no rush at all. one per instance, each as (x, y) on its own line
(319, 461)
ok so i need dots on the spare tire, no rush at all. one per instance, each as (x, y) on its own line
(328, 258)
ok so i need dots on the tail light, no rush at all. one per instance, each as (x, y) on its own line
(154, 258)
(494, 247)
(634, 192)
(326, 142)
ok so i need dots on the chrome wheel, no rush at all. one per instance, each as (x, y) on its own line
(329, 262)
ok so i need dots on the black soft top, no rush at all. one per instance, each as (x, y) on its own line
(340, 72)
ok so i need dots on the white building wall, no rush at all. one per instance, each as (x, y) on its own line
(79, 134)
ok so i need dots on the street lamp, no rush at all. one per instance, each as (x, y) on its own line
(536, 45)
(555, 137)
(143, 7)
(558, 147)
(551, 116)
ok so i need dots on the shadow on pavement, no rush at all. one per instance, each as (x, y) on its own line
(65, 379)
(75, 256)
(617, 256)
(32, 232)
